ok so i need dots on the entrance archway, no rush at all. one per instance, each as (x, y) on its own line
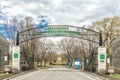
(58, 31)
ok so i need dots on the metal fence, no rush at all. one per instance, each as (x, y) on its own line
(116, 53)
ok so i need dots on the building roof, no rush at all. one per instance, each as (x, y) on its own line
(3, 39)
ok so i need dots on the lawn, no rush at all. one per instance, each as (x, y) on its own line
(4, 75)
(117, 76)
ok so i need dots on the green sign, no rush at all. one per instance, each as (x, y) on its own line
(15, 55)
(102, 57)
(58, 31)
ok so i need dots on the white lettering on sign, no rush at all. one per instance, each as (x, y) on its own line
(77, 63)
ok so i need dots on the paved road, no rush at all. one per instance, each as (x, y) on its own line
(57, 73)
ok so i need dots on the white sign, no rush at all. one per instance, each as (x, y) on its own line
(108, 60)
(16, 58)
(101, 58)
(5, 58)
(77, 63)
(87, 61)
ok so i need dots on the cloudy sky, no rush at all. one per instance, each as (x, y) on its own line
(72, 12)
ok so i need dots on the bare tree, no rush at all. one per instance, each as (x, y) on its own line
(42, 50)
(110, 29)
(28, 48)
(66, 45)
(50, 51)
(11, 27)
(63, 57)
(46, 52)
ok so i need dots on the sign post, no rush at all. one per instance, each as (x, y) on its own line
(16, 58)
(101, 59)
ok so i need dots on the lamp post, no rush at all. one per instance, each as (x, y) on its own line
(0, 58)
(100, 38)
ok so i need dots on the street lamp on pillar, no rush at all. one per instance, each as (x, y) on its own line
(100, 38)
(17, 39)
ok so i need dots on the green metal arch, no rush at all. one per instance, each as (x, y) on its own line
(62, 25)
(20, 34)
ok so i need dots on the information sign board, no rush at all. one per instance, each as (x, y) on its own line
(78, 64)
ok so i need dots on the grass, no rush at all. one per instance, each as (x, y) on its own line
(46, 67)
(117, 76)
(3, 75)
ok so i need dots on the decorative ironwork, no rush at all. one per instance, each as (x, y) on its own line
(59, 31)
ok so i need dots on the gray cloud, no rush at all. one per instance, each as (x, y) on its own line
(68, 11)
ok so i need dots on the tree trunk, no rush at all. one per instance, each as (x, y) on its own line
(45, 61)
(40, 63)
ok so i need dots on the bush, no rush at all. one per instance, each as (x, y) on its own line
(117, 71)
(15, 71)
(25, 68)
(7, 68)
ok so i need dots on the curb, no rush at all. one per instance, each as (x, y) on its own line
(21, 73)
